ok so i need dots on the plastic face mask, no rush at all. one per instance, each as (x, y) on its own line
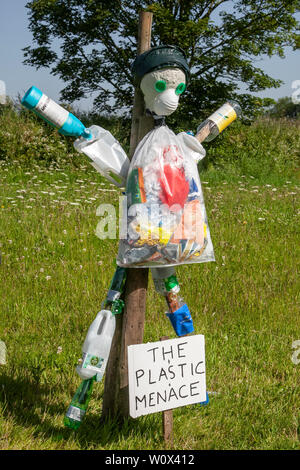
(162, 89)
(165, 103)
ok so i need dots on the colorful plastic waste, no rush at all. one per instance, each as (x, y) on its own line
(166, 221)
(54, 114)
(97, 344)
(96, 349)
(105, 152)
(165, 280)
(166, 284)
(181, 320)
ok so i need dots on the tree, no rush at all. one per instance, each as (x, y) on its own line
(223, 41)
(285, 108)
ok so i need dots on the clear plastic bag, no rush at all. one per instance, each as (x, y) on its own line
(106, 154)
(165, 221)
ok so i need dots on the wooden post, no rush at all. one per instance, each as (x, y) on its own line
(129, 325)
(141, 124)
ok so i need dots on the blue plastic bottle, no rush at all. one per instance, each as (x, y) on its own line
(54, 114)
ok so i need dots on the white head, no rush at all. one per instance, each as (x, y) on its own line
(162, 89)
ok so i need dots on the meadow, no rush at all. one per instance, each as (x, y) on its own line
(55, 273)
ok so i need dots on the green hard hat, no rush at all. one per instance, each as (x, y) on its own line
(157, 58)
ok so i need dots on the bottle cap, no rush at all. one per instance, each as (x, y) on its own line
(31, 97)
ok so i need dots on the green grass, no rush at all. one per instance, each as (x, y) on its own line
(55, 273)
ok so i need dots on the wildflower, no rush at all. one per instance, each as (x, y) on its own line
(59, 350)
(47, 278)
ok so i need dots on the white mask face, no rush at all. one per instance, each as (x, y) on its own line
(162, 89)
(165, 103)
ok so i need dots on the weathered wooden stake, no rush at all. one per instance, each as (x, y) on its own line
(130, 325)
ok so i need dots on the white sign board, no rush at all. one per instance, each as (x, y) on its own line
(166, 374)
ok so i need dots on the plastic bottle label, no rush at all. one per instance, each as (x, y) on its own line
(223, 116)
(92, 362)
(75, 413)
(135, 187)
(52, 111)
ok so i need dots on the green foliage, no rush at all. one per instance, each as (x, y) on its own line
(25, 138)
(266, 148)
(221, 38)
(285, 107)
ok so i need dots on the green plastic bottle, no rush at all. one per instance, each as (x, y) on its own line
(80, 401)
(79, 404)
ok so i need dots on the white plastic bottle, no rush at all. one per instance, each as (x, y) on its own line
(96, 347)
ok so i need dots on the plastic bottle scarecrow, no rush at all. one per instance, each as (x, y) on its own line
(166, 219)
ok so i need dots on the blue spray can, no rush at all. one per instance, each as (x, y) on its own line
(54, 114)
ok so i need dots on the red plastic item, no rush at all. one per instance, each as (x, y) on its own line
(174, 188)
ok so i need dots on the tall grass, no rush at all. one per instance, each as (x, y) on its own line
(267, 149)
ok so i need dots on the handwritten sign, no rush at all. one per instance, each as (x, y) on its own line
(166, 374)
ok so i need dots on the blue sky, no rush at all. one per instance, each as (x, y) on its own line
(14, 35)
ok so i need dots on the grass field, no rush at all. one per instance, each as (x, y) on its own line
(55, 273)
